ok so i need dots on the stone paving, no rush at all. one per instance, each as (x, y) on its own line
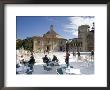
(85, 64)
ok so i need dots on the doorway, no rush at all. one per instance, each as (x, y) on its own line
(48, 48)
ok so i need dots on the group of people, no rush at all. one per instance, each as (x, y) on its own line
(67, 57)
(30, 63)
(74, 54)
(48, 60)
(55, 59)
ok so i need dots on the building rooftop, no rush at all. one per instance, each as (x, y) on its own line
(52, 32)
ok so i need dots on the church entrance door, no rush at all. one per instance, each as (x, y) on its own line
(48, 48)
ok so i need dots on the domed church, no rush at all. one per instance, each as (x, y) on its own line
(50, 41)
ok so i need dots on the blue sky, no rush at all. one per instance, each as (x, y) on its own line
(66, 26)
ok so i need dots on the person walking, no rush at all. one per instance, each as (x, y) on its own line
(67, 58)
(74, 53)
(78, 55)
(92, 54)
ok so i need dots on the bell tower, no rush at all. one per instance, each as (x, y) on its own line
(51, 28)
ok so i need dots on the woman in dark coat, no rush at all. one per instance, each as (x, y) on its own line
(67, 58)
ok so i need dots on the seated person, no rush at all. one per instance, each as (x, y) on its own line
(46, 60)
(54, 58)
(21, 60)
(17, 65)
(24, 62)
(31, 62)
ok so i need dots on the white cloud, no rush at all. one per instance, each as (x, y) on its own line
(75, 22)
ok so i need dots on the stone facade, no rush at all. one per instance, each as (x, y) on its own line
(85, 40)
(49, 41)
(76, 44)
(83, 31)
(90, 40)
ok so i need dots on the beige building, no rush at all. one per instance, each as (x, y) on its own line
(49, 41)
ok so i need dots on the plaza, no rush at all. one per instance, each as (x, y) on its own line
(83, 65)
(75, 54)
